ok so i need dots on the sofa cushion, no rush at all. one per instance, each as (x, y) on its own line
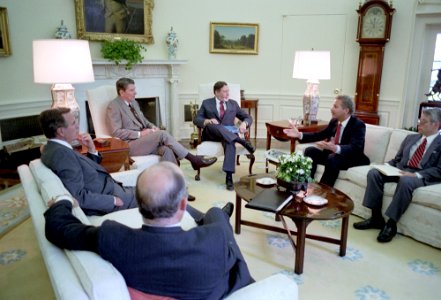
(396, 138)
(376, 142)
(428, 196)
(358, 176)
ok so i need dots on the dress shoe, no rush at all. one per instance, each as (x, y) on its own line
(228, 209)
(191, 197)
(387, 234)
(202, 162)
(370, 224)
(229, 183)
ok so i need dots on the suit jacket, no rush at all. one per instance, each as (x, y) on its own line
(83, 177)
(352, 140)
(202, 263)
(123, 124)
(430, 165)
(208, 110)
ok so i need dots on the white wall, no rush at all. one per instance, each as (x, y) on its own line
(285, 26)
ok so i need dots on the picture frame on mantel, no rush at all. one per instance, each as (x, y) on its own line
(101, 20)
(234, 38)
(5, 48)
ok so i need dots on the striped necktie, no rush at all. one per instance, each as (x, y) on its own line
(418, 155)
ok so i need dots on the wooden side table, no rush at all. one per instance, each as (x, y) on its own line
(251, 103)
(275, 129)
(115, 155)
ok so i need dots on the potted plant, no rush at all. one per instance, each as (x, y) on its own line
(123, 50)
(294, 171)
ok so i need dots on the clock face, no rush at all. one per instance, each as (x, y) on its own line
(374, 23)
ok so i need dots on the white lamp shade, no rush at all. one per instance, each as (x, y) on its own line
(312, 65)
(62, 61)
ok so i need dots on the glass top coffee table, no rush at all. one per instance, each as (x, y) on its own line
(339, 206)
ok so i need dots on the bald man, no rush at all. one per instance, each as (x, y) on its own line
(170, 261)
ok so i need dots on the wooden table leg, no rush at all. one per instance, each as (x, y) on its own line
(344, 235)
(238, 214)
(268, 146)
(301, 225)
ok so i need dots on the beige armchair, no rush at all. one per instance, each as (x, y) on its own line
(209, 148)
(98, 99)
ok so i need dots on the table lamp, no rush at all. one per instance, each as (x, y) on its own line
(61, 63)
(312, 66)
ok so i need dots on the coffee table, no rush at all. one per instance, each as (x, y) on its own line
(302, 214)
(115, 155)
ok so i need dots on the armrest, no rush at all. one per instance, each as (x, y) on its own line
(127, 178)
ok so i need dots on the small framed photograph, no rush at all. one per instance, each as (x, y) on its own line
(5, 48)
(101, 20)
(234, 38)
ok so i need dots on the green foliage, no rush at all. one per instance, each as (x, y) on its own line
(294, 168)
(119, 50)
(411, 128)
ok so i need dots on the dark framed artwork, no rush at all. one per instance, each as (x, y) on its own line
(100, 20)
(5, 48)
(234, 38)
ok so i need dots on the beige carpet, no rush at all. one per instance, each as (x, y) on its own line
(402, 269)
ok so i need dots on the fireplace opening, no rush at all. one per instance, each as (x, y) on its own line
(149, 106)
(18, 128)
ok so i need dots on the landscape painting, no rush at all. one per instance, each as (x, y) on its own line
(234, 38)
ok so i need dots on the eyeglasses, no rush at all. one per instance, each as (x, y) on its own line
(424, 122)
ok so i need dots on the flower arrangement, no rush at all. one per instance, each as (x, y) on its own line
(294, 168)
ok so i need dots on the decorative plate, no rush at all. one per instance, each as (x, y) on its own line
(315, 200)
(266, 181)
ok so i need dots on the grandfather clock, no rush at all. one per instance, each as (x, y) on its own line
(374, 27)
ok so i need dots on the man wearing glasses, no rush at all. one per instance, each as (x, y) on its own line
(419, 159)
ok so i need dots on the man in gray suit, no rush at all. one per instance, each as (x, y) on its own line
(419, 158)
(87, 181)
(128, 123)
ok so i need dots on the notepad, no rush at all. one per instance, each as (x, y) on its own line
(270, 200)
(388, 170)
(231, 128)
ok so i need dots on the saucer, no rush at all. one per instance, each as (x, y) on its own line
(266, 181)
(315, 200)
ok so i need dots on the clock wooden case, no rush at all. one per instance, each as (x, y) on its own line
(374, 28)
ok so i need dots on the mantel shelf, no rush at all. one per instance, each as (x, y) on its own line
(144, 62)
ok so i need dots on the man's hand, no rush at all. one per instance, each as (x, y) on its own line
(243, 127)
(211, 121)
(147, 131)
(410, 174)
(327, 146)
(292, 132)
(118, 202)
(86, 140)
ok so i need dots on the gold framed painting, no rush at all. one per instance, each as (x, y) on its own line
(101, 20)
(5, 48)
(234, 38)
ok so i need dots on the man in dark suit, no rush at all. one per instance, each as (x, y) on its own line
(419, 158)
(345, 147)
(161, 258)
(87, 181)
(128, 123)
(216, 113)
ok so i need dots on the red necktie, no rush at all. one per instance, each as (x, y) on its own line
(221, 109)
(416, 157)
(337, 134)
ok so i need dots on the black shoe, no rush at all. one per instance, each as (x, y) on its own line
(247, 145)
(191, 197)
(228, 209)
(202, 162)
(387, 234)
(370, 224)
(229, 183)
